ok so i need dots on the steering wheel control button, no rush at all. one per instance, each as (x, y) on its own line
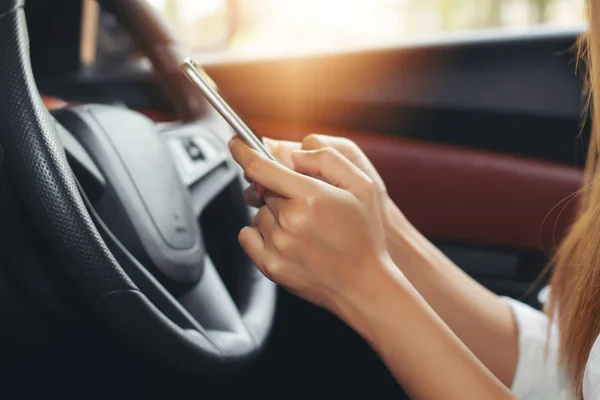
(197, 155)
(179, 225)
(193, 149)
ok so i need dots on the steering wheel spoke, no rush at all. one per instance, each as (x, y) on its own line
(212, 306)
(202, 161)
(205, 313)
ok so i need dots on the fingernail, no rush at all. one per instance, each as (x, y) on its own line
(256, 198)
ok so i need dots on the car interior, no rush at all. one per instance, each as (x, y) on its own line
(120, 271)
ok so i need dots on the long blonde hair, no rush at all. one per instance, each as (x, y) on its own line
(575, 284)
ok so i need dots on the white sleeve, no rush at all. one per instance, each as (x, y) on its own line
(591, 377)
(538, 376)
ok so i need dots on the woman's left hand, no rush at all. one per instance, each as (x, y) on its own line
(320, 233)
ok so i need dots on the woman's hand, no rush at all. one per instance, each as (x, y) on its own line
(320, 238)
(486, 325)
(282, 150)
(346, 147)
(393, 219)
(323, 240)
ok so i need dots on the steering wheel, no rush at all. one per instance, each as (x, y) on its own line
(119, 200)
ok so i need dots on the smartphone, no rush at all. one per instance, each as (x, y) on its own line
(197, 75)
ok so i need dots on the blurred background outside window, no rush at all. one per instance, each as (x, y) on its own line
(240, 28)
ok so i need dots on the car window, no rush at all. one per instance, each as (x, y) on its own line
(283, 27)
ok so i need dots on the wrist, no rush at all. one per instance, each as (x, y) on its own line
(381, 286)
(404, 242)
(394, 221)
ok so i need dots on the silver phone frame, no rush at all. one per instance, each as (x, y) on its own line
(191, 70)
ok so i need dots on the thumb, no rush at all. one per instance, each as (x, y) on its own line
(282, 150)
(331, 167)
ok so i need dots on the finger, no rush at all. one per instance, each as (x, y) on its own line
(252, 198)
(272, 175)
(315, 141)
(331, 167)
(282, 150)
(258, 189)
(284, 212)
(253, 244)
(265, 222)
(345, 146)
(275, 203)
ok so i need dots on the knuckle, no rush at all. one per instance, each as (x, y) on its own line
(349, 147)
(319, 206)
(327, 154)
(344, 141)
(261, 263)
(296, 221)
(285, 222)
(312, 141)
(329, 151)
(368, 185)
(264, 267)
(311, 198)
(351, 144)
(282, 243)
(368, 181)
(272, 269)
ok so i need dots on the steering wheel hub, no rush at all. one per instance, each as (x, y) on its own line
(144, 201)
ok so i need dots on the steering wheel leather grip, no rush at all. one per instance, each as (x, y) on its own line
(36, 160)
(95, 261)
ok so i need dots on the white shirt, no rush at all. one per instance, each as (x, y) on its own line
(538, 376)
